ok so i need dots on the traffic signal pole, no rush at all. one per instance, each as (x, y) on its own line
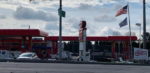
(60, 32)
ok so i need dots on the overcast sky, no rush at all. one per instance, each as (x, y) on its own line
(99, 14)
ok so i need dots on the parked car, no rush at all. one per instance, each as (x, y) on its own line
(28, 56)
(5, 54)
(75, 56)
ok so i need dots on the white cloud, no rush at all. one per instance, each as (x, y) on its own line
(84, 6)
(28, 13)
(106, 31)
(74, 22)
(128, 34)
(105, 18)
(148, 21)
(52, 26)
(3, 17)
(117, 0)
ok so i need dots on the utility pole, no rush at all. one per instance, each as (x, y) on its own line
(144, 24)
(60, 31)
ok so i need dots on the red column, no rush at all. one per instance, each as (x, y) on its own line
(126, 50)
(54, 47)
(124, 47)
(113, 50)
(30, 43)
(129, 51)
(23, 45)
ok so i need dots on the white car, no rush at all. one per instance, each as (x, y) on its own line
(28, 56)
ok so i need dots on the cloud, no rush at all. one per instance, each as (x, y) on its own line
(3, 17)
(128, 34)
(74, 22)
(118, 6)
(106, 31)
(148, 21)
(51, 26)
(118, 0)
(105, 18)
(84, 6)
(28, 13)
(67, 29)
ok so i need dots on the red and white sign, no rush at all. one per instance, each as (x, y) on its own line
(80, 35)
(140, 54)
(82, 31)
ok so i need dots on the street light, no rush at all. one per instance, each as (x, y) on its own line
(139, 25)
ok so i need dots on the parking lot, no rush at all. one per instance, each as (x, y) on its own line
(11, 67)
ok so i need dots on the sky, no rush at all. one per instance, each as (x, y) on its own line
(99, 15)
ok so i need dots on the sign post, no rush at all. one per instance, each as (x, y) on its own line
(82, 41)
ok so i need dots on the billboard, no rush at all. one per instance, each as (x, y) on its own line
(140, 54)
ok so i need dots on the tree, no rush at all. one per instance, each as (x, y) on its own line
(147, 40)
(135, 44)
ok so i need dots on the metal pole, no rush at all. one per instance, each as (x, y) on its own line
(60, 31)
(144, 25)
(130, 46)
(140, 37)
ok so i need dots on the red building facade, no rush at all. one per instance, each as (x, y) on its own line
(22, 40)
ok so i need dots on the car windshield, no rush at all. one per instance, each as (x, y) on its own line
(27, 55)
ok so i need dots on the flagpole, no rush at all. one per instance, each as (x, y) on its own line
(130, 46)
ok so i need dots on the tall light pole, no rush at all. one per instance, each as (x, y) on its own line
(144, 24)
(60, 30)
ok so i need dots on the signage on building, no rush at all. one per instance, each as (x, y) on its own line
(82, 31)
(140, 54)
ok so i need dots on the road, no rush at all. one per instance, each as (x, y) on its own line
(10, 67)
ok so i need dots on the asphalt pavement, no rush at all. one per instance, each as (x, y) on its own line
(12, 67)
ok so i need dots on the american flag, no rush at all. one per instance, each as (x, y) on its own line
(122, 11)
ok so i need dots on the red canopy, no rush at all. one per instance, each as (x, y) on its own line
(22, 32)
(93, 38)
